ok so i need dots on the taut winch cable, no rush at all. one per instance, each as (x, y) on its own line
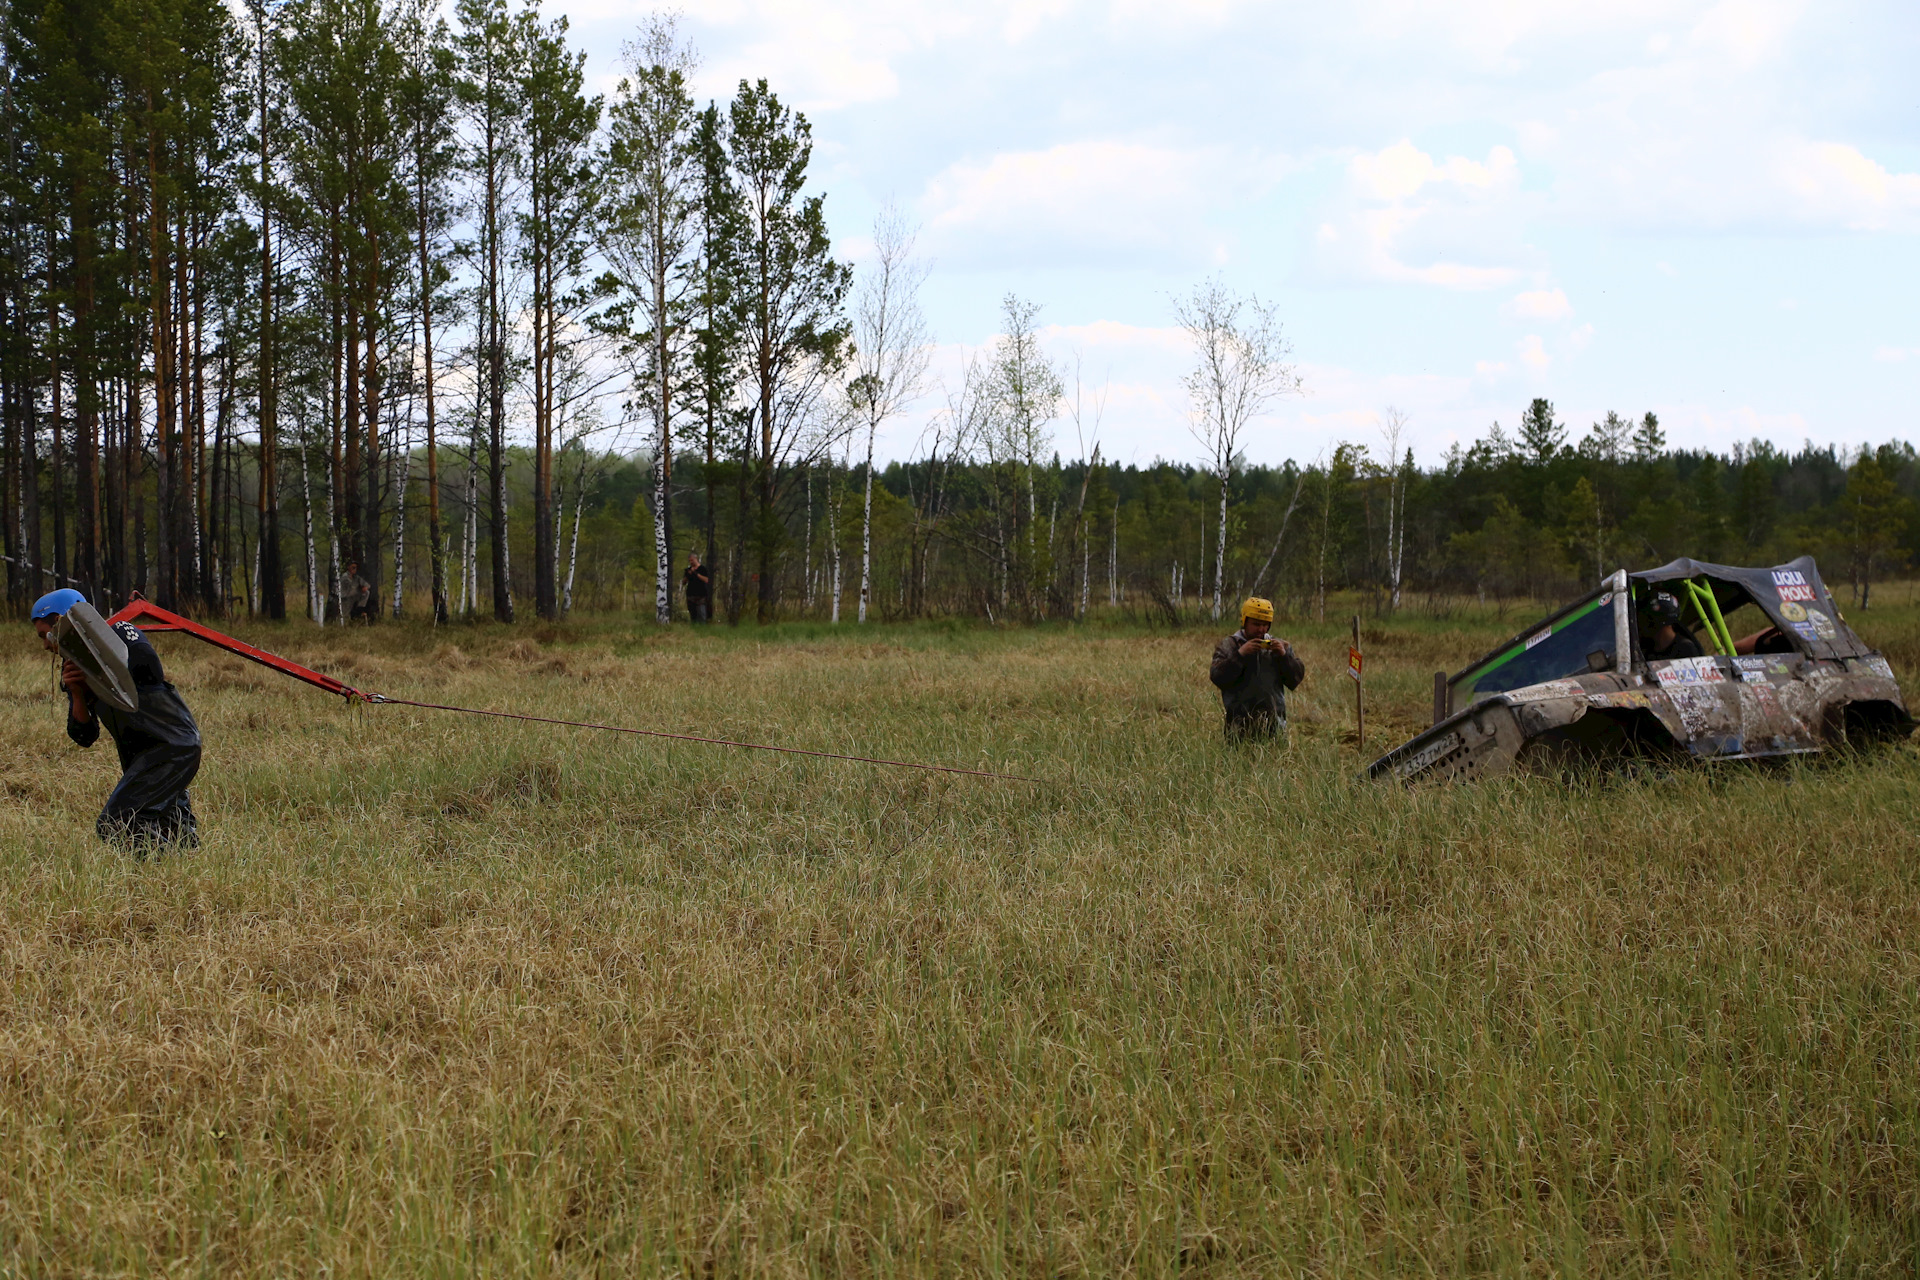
(378, 698)
(148, 616)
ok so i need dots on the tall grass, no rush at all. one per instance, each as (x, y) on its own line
(443, 996)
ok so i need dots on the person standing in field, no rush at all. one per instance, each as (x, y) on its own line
(356, 593)
(1253, 671)
(159, 744)
(699, 589)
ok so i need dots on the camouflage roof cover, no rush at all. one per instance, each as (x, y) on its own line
(1791, 594)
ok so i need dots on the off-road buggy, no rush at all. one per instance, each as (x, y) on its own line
(1780, 674)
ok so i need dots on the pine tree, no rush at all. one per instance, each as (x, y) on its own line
(425, 109)
(491, 61)
(1649, 442)
(792, 290)
(1541, 437)
(558, 125)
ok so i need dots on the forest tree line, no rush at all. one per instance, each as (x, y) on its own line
(1505, 518)
(332, 283)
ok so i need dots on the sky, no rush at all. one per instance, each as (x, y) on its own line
(1706, 210)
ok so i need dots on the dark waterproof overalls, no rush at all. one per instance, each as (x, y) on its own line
(159, 749)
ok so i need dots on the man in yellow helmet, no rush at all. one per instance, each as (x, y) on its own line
(1253, 671)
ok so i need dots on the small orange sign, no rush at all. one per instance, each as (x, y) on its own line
(1353, 663)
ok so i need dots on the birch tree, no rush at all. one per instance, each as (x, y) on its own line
(651, 236)
(1240, 369)
(891, 351)
(1399, 470)
(1027, 391)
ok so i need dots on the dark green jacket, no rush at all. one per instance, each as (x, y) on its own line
(1255, 685)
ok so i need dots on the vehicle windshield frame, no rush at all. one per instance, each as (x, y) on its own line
(1517, 644)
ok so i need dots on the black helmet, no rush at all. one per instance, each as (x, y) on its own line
(1663, 609)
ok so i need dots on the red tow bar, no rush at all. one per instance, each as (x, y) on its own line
(148, 616)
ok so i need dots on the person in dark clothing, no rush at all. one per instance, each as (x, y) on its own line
(159, 744)
(1668, 639)
(1253, 671)
(699, 589)
(356, 593)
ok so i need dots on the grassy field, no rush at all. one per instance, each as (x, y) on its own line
(445, 996)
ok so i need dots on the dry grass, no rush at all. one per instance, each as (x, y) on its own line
(442, 996)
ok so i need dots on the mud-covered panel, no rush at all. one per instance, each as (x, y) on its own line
(1478, 743)
(1766, 725)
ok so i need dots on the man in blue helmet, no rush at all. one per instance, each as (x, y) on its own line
(159, 744)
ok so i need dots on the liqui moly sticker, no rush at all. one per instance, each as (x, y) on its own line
(1793, 585)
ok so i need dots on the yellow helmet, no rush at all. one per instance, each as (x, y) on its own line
(1256, 610)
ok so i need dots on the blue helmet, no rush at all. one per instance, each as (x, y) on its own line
(54, 604)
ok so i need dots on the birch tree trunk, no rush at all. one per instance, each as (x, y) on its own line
(314, 608)
(1220, 551)
(333, 557)
(662, 552)
(400, 530)
(866, 533)
(573, 551)
(833, 536)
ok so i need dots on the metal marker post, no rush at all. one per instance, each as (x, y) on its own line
(1353, 669)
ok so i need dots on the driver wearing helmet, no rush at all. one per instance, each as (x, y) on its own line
(1666, 638)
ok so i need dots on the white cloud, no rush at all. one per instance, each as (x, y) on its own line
(823, 57)
(1833, 184)
(1580, 337)
(1533, 353)
(1541, 304)
(1894, 355)
(1710, 131)
(1405, 218)
(1092, 200)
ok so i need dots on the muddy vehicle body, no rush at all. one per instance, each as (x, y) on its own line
(1578, 687)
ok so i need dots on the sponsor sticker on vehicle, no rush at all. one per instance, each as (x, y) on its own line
(1536, 639)
(1793, 612)
(1879, 667)
(1624, 698)
(1690, 671)
(1822, 625)
(1804, 630)
(1793, 585)
(1764, 699)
